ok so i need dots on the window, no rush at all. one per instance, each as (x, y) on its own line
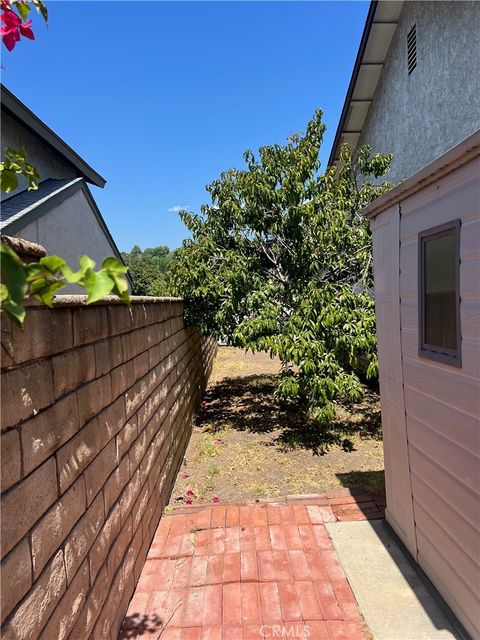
(439, 304)
(412, 49)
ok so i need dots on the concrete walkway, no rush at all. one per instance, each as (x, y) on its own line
(251, 571)
(396, 602)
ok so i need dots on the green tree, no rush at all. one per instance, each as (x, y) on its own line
(280, 261)
(150, 270)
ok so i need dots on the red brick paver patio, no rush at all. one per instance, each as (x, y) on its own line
(248, 572)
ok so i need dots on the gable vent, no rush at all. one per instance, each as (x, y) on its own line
(412, 49)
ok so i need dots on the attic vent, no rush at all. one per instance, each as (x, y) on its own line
(412, 49)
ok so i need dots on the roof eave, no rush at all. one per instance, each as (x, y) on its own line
(353, 79)
(18, 110)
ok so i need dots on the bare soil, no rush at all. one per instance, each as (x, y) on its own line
(248, 444)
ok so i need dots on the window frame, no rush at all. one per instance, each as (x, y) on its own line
(446, 355)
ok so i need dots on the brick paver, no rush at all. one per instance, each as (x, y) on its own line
(249, 572)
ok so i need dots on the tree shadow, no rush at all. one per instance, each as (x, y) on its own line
(249, 404)
(139, 624)
(373, 481)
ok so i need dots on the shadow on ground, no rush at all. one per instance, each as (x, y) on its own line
(374, 480)
(249, 404)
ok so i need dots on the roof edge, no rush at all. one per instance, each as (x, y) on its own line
(43, 206)
(460, 154)
(353, 79)
(22, 113)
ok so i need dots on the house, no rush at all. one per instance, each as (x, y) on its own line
(415, 92)
(415, 86)
(61, 214)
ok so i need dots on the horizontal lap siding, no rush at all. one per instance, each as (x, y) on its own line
(442, 402)
(385, 229)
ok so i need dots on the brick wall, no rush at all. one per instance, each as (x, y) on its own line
(97, 404)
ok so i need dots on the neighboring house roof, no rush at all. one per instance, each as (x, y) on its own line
(27, 206)
(380, 25)
(12, 105)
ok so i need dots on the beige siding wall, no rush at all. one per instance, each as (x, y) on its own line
(441, 402)
(386, 268)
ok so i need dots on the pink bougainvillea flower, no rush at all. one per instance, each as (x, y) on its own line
(13, 27)
(184, 475)
(10, 39)
(26, 31)
(190, 494)
(216, 500)
(188, 501)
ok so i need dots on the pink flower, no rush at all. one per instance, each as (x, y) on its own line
(216, 500)
(12, 27)
(219, 442)
(190, 494)
(188, 501)
(26, 31)
(184, 475)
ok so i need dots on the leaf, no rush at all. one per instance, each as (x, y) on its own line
(41, 8)
(98, 284)
(86, 263)
(14, 310)
(47, 293)
(4, 295)
(8, 181)
(13, 273)
(114, 266)
(23, 9)
(53, 264)
(72, 276)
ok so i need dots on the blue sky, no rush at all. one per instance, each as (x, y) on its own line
(160, 97)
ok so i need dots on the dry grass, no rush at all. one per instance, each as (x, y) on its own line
(247, 444)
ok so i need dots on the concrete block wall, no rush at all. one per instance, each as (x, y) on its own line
(97, 403)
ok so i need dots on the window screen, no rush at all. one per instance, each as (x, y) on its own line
(439, 291)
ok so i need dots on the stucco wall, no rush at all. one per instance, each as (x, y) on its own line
(419, 117)
(97, 404)
(47, 162)
(70, 230)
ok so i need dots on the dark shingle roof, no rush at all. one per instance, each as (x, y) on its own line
(20, 203)
(27, 206)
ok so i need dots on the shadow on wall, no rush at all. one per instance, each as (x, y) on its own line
(138, 624)
(249, 404)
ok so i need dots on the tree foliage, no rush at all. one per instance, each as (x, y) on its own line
(150, 270)
(280, 261)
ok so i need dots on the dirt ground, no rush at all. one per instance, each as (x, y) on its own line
(247, 444)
